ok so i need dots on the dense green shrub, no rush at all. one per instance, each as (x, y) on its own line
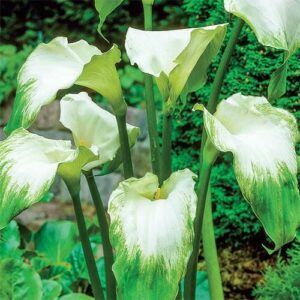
(283, 281)
(10, 63)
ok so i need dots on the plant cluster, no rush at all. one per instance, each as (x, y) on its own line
(152, 238)
(47, 264)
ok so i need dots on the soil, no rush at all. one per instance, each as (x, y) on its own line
(241, 268)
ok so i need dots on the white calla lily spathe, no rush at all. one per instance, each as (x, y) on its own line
(152, 232)
(29, 163)
(59, 65)
(276, 23)
(99, 133)
(177, 58)
(262, 139)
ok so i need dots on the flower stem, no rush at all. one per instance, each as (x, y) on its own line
(190, 278)
(166, 166)
(107, 248)
(223, 67)
(87, 249)
(150, 104)
(210, 252)
(125, 148)
(147, 16)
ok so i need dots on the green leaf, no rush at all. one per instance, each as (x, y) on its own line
(101, 270)
(47, 197)
(104, 8)
(277, 85)
(202, 289)
(19, 281)
(51, 290)
(10, 241)
(56, 239)
(10, 236)
(76, 296)
(38, 263)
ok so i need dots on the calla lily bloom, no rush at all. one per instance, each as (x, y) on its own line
(262, 139)
(59, 65)
(276, 23)
(29, 163)
(152, 233)
(177, 58)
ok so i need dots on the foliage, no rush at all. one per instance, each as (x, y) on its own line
(283, 281)
(10, 63)
(51, 262)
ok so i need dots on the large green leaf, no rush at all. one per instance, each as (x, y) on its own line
(76, 296)
(56, 239)
(10, 236)
(202, 289)
(51, 290)
(19, 281)
(10, 241)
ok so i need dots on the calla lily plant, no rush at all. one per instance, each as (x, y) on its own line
(151, 240)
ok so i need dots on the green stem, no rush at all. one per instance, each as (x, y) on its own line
(107, 248)
(87, 249)
(150, 104)
(166, 166)
(147, 16)
(223, 66)
(190, 278)
(210, 252)
(125, 148)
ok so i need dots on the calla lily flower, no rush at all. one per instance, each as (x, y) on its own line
(152, 233)
(177, 58)
(276, 23)
(29, 163)
(262, 139)
(59, 65)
